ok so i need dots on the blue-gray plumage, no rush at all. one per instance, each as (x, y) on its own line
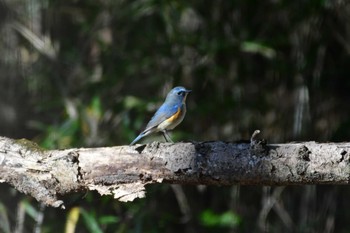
(169, 115)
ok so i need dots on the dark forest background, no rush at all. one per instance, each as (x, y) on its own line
(88, 73)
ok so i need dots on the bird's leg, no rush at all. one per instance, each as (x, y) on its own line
(166, 136)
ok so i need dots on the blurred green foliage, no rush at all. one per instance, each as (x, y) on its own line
(227, 219)
(91, 73)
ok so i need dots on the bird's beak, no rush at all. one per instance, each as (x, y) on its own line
(188, 91)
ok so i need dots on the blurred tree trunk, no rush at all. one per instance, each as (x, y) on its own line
(123, 171)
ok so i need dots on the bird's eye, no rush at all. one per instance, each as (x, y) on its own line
(180, 93)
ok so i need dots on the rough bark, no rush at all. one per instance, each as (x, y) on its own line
(123, 171)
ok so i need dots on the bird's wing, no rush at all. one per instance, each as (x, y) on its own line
(163, 113)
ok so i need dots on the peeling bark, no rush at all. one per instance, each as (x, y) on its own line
(123, 171)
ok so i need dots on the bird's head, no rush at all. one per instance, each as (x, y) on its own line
(178, 94)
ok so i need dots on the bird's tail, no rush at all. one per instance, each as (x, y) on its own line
(141, 135)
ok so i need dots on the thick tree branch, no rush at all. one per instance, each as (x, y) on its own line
(123, 171)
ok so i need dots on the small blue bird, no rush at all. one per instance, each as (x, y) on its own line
(168, 116)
